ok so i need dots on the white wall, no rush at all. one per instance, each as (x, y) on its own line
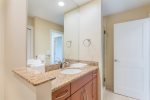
(15, 50)
(71, 33)
(90, 29)
(42, 36)
(2, 30)
(85, 23)
(81, 24)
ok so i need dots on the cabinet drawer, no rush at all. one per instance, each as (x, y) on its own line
(61, 94)
(95, 73)
(76, 85)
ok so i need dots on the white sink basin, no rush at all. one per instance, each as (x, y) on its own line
(78, 65)
(71, 71)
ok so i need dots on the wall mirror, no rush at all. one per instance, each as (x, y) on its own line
(45, 30)
(56, 30)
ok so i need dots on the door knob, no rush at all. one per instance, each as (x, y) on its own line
(116, 60)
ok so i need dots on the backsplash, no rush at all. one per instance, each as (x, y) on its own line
(50, 67)
(91, 63)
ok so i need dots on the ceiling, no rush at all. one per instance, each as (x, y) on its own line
(115, 6)
(49, 9)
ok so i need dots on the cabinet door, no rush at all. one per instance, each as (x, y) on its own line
(76, 85)
(79, 95)
(95, 89)
(61, 94)
(68, 99)
(88, 91)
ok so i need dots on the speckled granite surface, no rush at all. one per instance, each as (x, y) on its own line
(62, 79)
(31, 77)
(56, 77)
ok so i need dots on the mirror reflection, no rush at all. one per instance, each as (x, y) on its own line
(45, 30)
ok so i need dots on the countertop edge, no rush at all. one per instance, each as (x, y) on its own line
(30, 80)
(69, 82)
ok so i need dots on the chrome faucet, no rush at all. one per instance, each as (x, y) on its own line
(62, 64)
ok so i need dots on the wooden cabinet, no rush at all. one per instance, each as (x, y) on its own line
(68, 98)
(84, 88)
(85, 93)
(76, 85)
(61, 94)
(95, 85)
(95, 89)
(78, 95)
(88, 91)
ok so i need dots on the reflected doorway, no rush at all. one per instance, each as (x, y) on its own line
(57, 47)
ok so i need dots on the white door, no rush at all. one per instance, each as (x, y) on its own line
(131, 59)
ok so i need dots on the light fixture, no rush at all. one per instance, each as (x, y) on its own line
(61, 3)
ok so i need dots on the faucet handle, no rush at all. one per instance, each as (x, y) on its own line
(67, 64)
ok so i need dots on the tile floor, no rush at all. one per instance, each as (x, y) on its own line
(111, 96)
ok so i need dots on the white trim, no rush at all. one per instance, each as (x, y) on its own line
(32, 41)
(147, 58)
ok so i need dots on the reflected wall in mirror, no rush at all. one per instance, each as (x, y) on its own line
(45, 30)
(62, 29)
(45, 40)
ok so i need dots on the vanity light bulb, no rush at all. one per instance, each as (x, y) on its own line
(61, 3)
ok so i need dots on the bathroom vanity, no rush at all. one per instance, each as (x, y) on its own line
(55, 34)
(55, 85)
(83, 88)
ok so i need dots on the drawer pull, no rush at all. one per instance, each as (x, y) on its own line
(63, 94)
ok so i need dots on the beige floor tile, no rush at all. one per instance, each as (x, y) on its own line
(112, 96)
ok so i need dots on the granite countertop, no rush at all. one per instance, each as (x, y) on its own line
(31, 77)
(56, 77)
(63, 79)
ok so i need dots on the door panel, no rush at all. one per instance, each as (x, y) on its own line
(78, 95)
(95, 89)
(130, 68)
(68, 99)
(88, 91)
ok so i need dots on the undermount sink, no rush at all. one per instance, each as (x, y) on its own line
(70, 71)
(78, 65)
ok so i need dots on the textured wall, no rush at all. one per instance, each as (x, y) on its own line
(2, 31)
(15, 50)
